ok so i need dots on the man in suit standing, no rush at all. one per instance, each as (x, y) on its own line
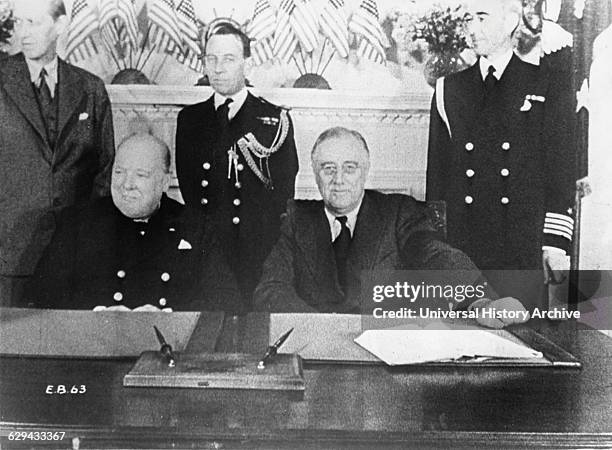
(56, 140)
(137, 249)
(325, 245)
(236, 157)
(500, 153)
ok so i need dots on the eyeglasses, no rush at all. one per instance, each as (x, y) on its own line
(330, 170)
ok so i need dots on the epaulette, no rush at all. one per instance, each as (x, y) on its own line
(267, 102)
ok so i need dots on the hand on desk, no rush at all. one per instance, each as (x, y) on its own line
(143, 308)
(501, 304)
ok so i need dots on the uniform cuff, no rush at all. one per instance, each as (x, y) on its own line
(554, 249)
(558, 225)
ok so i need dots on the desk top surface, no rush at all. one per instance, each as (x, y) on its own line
(343, 406)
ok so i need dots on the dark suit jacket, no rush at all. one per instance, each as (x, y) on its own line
(392, 232)
(35, 178)
(534, 146)
(97, 252)
(202, 170)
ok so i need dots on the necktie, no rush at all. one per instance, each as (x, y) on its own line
(490, 80)
(223, 113)
(46, 106)
(43, 88)
(341, 247)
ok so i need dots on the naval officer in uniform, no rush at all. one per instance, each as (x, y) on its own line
(137, 249)
(236, 158)
(500, 151)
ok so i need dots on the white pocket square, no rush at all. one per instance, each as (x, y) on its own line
(83, 116)
(184, 245)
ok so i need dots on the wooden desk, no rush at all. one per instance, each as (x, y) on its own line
(344, 406)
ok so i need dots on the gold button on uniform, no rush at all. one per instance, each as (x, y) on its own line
(204, 183)
(238, 184)
(236, 220)
(240, 167)
(204, 201)
(118, 296)
(505, 200)
(121, 273)
(165, 277)
(469, 200)
(504, 172)
(506, 146)
(206, 166)
(469, 173)
(162, 302)
(236, 202)
(469, 146)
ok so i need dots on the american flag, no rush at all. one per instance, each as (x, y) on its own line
(334, 25)
(188, 26)
(83, 22)
(109, 32)
(261, 30)
(305, 23)
(127, 14)
(364, 24)
(284, 42)
(164, 29)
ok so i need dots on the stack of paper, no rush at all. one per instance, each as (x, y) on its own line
(411, 346)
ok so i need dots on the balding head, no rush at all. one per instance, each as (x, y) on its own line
(140, 175)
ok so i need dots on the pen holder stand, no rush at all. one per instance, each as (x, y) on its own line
(217, 371)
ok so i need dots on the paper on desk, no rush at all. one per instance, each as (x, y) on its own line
(41, 332)
(412, 346)
(321, 337)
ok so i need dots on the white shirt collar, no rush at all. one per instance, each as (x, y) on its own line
(35, 67)
(500, 63)
(351, 221)
(238, 100)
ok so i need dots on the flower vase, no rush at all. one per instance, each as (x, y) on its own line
(442, 64)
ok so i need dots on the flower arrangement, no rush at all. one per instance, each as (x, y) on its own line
(443, 28)
(6, 21)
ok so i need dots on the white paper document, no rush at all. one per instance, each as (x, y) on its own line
(411, 346)
(340, 338)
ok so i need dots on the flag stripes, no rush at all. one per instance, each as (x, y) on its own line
(364, 24)
(334, 25)
(304, 22)
(284, 41)
(83, 22)
(126, 12)
(261, 31)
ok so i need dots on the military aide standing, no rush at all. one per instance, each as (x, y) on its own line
(500, 151)
(236, 158)
(56, 140)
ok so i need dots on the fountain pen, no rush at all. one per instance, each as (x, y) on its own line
(273, 349)
(166, 349)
